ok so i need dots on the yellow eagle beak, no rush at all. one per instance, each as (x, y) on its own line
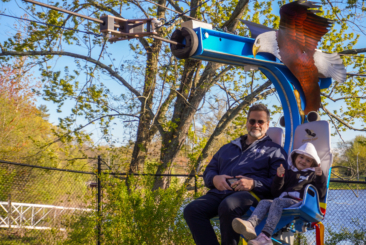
(255, 50)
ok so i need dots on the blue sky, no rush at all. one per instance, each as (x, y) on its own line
(121, 51)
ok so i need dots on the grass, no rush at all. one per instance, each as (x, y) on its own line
(346, 186)
(31, 237)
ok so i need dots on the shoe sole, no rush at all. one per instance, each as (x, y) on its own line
(240, 228)
(250, 243)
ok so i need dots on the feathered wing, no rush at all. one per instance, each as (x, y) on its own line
(330, 65)
(298, 36)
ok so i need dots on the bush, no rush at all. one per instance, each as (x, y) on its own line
(355, 237)
(136, 215)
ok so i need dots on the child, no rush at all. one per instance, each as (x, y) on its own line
(289, 187)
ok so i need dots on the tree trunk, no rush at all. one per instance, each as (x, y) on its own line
(144, 128)
(186, 107)
(144, 132)
(184, 112)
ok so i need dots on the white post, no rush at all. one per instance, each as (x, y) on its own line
(9, 211)
(32, 220)
(358, 176)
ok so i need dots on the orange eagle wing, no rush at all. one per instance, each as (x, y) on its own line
(298, 36)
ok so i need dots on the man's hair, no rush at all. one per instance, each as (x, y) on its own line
(295, 155)
(259, 107)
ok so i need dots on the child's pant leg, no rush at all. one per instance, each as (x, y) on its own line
(260, 211)
(275, 213)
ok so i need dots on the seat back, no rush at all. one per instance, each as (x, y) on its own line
(276, 135)
(311, 209)
(317, 133)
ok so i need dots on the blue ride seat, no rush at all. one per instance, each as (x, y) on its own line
(306, 214)
(311, 211)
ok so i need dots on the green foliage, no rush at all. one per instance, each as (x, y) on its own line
(195, 145)
(353, 151)
(356, 236)
(7, 180)
(136, 215)
(300, 239)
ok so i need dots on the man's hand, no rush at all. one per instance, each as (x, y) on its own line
(318, 171)
(280, 171)
(220, 183)
(244, 184)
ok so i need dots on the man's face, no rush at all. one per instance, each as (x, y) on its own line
(257, 124)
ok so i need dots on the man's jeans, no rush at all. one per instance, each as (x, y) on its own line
(228, 206)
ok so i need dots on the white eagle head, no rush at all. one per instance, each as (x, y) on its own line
(266, 42)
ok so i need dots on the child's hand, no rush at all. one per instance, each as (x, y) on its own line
(318, 171)
(280, 171)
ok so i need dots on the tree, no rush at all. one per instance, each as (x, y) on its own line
(352, 152)
(166, 93)
(25, 132)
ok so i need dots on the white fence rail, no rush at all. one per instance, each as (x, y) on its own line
(34, 216)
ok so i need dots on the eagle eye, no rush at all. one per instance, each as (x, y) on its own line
(258, 41)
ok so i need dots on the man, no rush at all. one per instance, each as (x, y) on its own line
(253, 158)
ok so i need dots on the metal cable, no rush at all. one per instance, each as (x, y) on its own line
(62, 27)
(48, 168)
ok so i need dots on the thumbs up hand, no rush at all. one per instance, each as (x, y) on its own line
(318, 171)
(280, 171)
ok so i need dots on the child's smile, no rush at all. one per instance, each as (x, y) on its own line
(303, 162)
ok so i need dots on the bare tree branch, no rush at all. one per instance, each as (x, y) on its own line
(228, 92)
(335, 126)
(223, 72)
(175, 6)
(342, 98)
(356, 75)
(80, 128)
(225, 120)
(343, 20)
(162, 90)
(331, 5)
(353, 51)
(140, 7)
(179, 21)
(104, 8)
(232, 23)
(113, 73)
(340, 120)
(78, 56)
(184, 98)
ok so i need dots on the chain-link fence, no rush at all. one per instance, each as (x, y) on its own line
(346, 213)
(40, 205)
(345, 217)
(37, 203)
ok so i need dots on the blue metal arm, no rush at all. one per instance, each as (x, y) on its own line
(236, 50)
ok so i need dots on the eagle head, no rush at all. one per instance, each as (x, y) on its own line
(266, 42)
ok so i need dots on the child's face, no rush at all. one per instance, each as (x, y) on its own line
(303, 162)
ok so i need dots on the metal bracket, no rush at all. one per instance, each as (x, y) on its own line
(118, 29)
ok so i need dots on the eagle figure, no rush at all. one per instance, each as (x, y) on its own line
(295, 45)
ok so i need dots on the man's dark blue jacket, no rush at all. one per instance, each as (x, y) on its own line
(259, 162)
